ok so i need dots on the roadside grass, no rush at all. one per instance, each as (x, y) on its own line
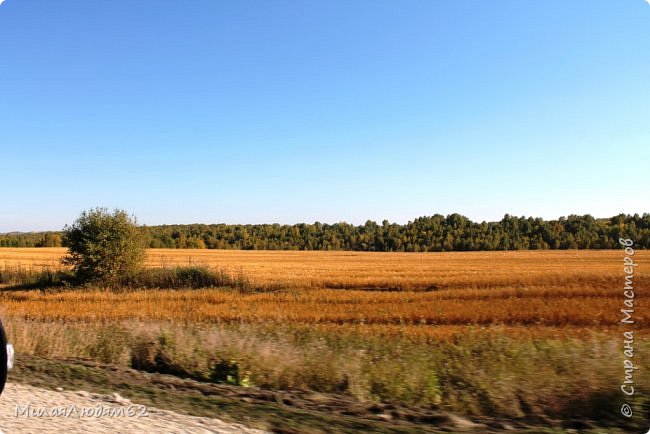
(278, 412)
(479, 375)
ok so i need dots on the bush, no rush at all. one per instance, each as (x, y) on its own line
(104, 246)
(24, 278)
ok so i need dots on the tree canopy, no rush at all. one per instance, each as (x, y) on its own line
(425, 234)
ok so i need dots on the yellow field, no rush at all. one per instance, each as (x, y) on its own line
(486, 333)
(580, 289)
(588, 269)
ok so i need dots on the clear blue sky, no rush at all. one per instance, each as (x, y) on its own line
(296, 111)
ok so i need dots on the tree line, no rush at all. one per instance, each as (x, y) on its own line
(435, 233)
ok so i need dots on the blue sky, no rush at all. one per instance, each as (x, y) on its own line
(297, 111)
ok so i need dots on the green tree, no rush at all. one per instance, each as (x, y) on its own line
(49, 240)
(103, 246)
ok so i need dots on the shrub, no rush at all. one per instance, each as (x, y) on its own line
(183, 277)
(23, 278)
(104, 246)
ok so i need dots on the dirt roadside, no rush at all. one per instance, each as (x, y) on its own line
(29, 409)
(184, 405)
(291, 411)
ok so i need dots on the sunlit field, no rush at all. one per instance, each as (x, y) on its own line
(595, 269)
(500, 334)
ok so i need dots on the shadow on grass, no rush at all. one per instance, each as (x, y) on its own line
(41, 280)
(190, 277)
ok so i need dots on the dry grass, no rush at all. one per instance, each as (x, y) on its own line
(322, 306)
(484, 372)
(368, 270)
(491, 333)
(547, 288)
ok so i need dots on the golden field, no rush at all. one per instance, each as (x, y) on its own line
(497, 334)
(556, 307)
(546, 289)
(374, 270)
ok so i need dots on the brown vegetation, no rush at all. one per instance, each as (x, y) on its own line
(543, 288)
(377, 271)
(511, 334)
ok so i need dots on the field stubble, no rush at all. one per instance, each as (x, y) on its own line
(539, 288)
(509, 334)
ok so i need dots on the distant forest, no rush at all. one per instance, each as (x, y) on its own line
(425, 234)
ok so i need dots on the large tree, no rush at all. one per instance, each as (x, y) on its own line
(103, 246)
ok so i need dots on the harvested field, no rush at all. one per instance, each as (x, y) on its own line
(322, 306)
(469, 332)
(592, 269)
(540, 288)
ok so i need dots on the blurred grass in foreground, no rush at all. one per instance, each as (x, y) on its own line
(477, 373)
